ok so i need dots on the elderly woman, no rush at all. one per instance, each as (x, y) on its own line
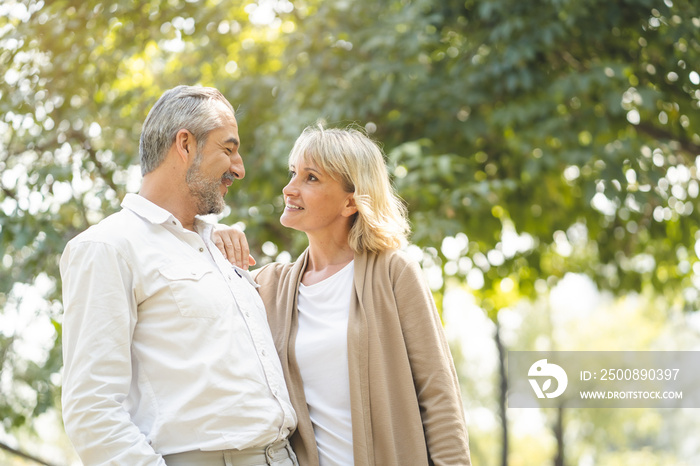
(365, 359)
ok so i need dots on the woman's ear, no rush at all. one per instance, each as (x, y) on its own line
(350, 208)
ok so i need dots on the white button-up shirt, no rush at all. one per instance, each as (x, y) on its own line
(166, 345)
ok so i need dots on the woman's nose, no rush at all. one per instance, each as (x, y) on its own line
(290, 189)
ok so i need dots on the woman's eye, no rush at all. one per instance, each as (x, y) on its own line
(291, 174)
(312, 178)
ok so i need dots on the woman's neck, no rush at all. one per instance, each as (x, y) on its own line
(325, 259)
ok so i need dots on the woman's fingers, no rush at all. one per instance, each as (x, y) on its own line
(233, 244)
(219, 243)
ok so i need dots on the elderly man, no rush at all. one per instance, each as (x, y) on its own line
(168, 355)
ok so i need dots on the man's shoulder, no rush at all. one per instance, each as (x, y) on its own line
(117, 228)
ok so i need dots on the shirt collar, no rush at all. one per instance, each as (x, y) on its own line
(156, 214)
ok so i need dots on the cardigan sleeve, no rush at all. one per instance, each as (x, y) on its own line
(434, 375)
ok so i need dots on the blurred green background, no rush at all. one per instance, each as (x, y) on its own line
(547, 151)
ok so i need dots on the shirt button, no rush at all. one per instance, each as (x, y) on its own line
(247, 314)
(174, 222)
(263, 353)
(201, 249)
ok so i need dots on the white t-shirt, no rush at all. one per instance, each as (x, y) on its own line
(322, 355)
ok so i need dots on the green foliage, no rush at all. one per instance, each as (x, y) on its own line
(572, 126)
(494, 113)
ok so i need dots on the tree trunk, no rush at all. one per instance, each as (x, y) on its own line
(559, 435)
(502, 393)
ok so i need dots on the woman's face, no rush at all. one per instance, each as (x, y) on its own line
(314, 201)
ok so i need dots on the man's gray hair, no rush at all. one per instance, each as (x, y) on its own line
(194, 108)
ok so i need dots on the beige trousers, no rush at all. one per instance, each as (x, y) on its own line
(277, 454)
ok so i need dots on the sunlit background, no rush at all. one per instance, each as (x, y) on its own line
(547, 151)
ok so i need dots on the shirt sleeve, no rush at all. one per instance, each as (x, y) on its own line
(100, 314)
(433, 369)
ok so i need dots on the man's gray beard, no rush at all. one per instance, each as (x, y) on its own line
(205, 192)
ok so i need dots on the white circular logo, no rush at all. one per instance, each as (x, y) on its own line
(545, 371)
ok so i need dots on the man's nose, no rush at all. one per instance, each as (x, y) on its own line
(237, 167)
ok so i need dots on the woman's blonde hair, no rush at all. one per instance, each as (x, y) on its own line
(357, 162)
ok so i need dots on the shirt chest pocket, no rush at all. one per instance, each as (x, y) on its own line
(196, 290)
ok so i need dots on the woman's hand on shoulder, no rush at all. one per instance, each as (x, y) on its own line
(234, 246)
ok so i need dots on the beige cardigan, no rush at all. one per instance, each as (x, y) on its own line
(404, 395)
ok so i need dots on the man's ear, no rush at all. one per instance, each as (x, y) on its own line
(185, 145)
(350, 206)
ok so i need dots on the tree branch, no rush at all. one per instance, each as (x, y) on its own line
(686, 144)
(26, 456)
